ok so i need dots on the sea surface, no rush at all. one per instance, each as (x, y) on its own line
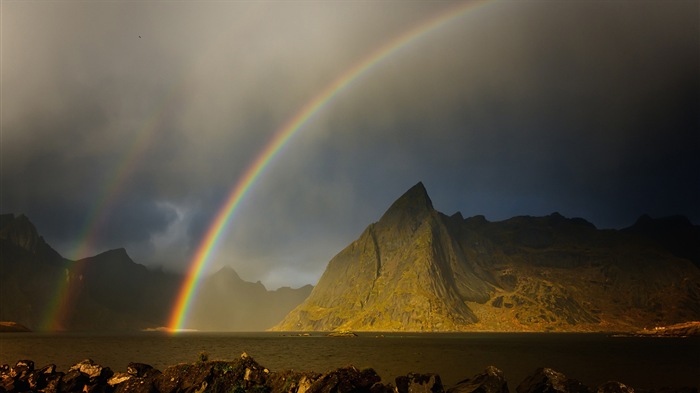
(640, 362)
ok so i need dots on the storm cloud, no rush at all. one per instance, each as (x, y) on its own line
(129, 123)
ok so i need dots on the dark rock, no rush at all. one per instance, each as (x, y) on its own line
(345, 380)
(614, 387)
(38, 379)
(16, 378)
(289, 381)
(94, 372)
(132, 384)
(241, 374)
(7, 383)
(382, 388)
(52, 383)
(22, 369)
(419, 383)
(141, 370)
(490, 381)
(73, 381)
(546, 380)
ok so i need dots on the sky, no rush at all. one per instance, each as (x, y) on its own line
(126, 124)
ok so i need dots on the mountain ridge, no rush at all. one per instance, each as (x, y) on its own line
(109, 291)
(417, 269)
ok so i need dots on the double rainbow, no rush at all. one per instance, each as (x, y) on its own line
(281, 137)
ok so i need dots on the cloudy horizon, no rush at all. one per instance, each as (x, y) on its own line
(128, 123)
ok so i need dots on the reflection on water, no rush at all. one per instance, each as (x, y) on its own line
(591, 358)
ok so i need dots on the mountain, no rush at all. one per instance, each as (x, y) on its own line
(417, 269)
(252, 307)
(675, 233)
(42, 290)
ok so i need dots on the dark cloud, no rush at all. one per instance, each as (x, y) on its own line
(589, 109)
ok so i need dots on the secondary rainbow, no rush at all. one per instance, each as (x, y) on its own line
(66, 290)
(280, 138)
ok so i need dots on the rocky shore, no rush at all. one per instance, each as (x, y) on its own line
(686, 329)
(245, 375)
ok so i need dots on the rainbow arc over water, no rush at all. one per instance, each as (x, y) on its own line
(218, 226)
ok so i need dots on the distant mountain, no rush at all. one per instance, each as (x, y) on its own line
(110, 291)
(419, 270)
(250, 306)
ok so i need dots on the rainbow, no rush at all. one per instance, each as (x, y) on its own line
(278, 141)
(67, 289)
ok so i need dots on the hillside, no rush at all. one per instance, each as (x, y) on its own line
(417, 269)
(110, 292)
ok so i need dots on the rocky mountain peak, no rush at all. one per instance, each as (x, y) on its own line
(228, 271)
(413, 203)
(20, 231)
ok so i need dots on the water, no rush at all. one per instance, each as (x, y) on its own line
(645, 363)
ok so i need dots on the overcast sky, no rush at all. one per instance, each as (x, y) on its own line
(132, 121)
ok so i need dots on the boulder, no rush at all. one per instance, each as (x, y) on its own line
(343, 380)
(127, 383)
(52, 383)
(38, 379)
(16, 378)
(7, 383)
(243, 373)
(419, 383)
(546, 380)
(490, 381)
(73, 381)
(93, 371)
(289, 381)
(22, 369)
(141, 370)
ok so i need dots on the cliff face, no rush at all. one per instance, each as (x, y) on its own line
(419, 270)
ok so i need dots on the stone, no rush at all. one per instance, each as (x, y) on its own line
(52, 383)
(490, 381)
(344, 380)
(546, 380)
(419, 383)
(21, 369)
(73, 381)
(92, 370)
(118, 378)
(7, 383)
(134, 384)
(141, 370)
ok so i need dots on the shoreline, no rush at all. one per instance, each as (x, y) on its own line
(245, 375)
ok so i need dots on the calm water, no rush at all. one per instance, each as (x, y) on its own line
(591, 358)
